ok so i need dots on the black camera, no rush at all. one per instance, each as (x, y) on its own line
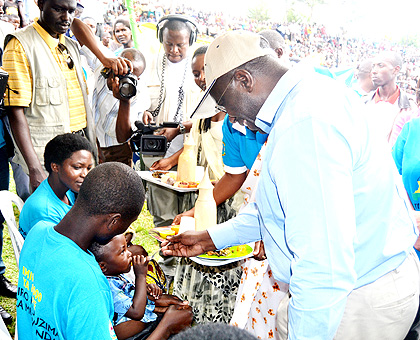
(128, 82)
(4, 77)
(145, 142)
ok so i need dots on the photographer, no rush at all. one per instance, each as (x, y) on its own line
(109, 101)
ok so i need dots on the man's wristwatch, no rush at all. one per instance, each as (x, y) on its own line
(181, 129)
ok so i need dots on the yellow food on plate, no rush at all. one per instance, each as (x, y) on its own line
(166, 232)
(175, 228)
(241, 249)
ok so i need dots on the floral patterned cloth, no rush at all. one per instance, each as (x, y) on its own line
(258, 298)
(259, 293)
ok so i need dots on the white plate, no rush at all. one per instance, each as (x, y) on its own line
(222, 262)
(147, 176)
(215, 263)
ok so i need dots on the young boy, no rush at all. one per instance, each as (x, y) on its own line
(134, 308)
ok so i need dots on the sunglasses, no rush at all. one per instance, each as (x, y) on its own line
(66, 54)
(218, 107)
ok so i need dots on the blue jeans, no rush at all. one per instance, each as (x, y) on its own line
(4, 185)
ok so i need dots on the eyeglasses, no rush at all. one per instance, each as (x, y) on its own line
(66, 54)
(218, 107)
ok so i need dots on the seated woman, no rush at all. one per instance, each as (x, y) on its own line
(68, 159)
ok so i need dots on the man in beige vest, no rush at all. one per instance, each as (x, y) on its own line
(47, 87)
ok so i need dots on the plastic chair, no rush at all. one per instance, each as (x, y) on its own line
(6, 208)
(4, 333)
(7, 199)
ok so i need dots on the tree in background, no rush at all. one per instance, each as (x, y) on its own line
(259, 13)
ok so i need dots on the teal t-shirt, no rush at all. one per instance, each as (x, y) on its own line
(62, 293)
(406, 153)
(43, 205)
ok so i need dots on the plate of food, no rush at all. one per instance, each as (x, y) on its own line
(235, 252)
(168, 180)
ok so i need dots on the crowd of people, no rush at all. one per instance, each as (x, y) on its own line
(303, 134)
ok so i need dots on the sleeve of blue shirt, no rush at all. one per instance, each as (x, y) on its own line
(231, 153)
(398, 149)
(316, 192)
(242, 229)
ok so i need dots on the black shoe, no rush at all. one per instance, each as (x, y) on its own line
(7, 288)
(7, 318)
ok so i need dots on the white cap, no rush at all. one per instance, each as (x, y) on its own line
(224, 54)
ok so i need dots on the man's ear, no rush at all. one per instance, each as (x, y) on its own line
(103, 266)
(279, 52)
(113, 220)
(397, 69)
(245, 79)
(40, 4)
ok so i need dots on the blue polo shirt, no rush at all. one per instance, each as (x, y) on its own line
(241, 147)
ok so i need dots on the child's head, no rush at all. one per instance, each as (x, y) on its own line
(113, 257)
(134, 249)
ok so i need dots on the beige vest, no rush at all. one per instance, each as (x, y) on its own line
(48, 113)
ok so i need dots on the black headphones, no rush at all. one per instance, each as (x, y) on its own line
(191, 24)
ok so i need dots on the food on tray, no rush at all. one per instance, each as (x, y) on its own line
(175, 228)
(223, 252)
(192, 184)
(168, 178)
(166, 232)
(179, 184)
(159, 174)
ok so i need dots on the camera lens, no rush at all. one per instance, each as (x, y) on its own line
(127, 88)
(153, 144)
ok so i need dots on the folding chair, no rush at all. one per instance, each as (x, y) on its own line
(6, 208)
(7, 199)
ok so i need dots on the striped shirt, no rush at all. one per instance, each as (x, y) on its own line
(105, 107)
(16, 64)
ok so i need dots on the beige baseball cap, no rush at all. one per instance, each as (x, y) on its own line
(224, 54)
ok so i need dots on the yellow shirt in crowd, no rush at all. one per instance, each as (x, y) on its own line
(20, 78)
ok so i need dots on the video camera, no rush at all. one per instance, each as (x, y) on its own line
(145, 142)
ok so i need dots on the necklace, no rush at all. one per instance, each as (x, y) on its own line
(181, 93)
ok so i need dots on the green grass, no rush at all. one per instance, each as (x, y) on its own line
(141, 226)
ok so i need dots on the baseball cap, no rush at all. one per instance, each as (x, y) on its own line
(224, 54)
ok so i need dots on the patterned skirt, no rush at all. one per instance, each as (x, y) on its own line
(211, 291)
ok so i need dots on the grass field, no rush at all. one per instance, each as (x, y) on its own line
(141, 226)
